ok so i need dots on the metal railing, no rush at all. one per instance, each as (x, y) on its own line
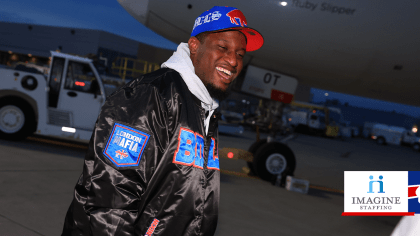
(128, 67)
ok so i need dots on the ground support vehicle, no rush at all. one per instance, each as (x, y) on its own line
(312, 121)
(230, 123)
(384, 134)
(367, 129)
(355, 131)
(64, 105)
(313, 118)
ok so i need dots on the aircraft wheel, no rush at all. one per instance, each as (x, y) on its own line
(17, 120)
(252, 149)
(272, 159)
(380, 141)
(416, 147)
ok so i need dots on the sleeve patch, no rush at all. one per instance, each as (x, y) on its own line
(125, 146)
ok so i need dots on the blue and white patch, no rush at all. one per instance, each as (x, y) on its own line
(125, 146)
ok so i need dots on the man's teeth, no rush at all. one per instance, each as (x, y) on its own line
(224, 70)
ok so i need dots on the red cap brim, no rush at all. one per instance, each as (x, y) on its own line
(254, 40)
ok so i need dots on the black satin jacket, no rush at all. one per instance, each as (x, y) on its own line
(149, 185)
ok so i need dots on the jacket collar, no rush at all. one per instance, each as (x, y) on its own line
(181, 62)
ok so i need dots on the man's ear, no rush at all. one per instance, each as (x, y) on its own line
(193, 44)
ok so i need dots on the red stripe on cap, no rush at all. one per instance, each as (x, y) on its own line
(412, 191)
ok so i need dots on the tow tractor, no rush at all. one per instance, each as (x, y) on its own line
(64, 104)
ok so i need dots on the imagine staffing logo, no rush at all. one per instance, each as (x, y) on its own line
(381, 193)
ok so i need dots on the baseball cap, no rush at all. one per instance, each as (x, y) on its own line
(227, 18)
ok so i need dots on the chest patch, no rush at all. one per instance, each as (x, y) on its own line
(190, 150)
(125, 145)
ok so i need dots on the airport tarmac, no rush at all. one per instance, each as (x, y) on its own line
(37, 177)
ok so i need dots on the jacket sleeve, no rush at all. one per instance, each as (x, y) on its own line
(130, 137)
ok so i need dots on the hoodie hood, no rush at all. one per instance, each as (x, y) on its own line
(181, 62)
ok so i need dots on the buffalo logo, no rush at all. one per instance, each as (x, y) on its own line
(237, 14)
(121, 154)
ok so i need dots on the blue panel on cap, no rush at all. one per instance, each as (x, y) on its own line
(125, 145)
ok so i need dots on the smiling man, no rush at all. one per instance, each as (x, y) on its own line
(217, 59)
(152, 167)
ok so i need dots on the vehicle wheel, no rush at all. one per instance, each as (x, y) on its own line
(17, 120)
(272, 159)
(252, 149)
(380, 141)
(416, 147)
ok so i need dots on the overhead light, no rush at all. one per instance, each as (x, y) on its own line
(326, 94)
(68, 129)
(283, 3)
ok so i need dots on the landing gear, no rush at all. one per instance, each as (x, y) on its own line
(271, 159)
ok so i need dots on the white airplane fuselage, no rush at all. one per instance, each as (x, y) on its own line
(364, 48)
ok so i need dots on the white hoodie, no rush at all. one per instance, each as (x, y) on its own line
(181, 62)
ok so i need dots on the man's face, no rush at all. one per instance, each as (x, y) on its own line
(218, 60)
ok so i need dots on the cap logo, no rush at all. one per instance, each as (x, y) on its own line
(207, 18)
(220, 18)
(237, 14)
